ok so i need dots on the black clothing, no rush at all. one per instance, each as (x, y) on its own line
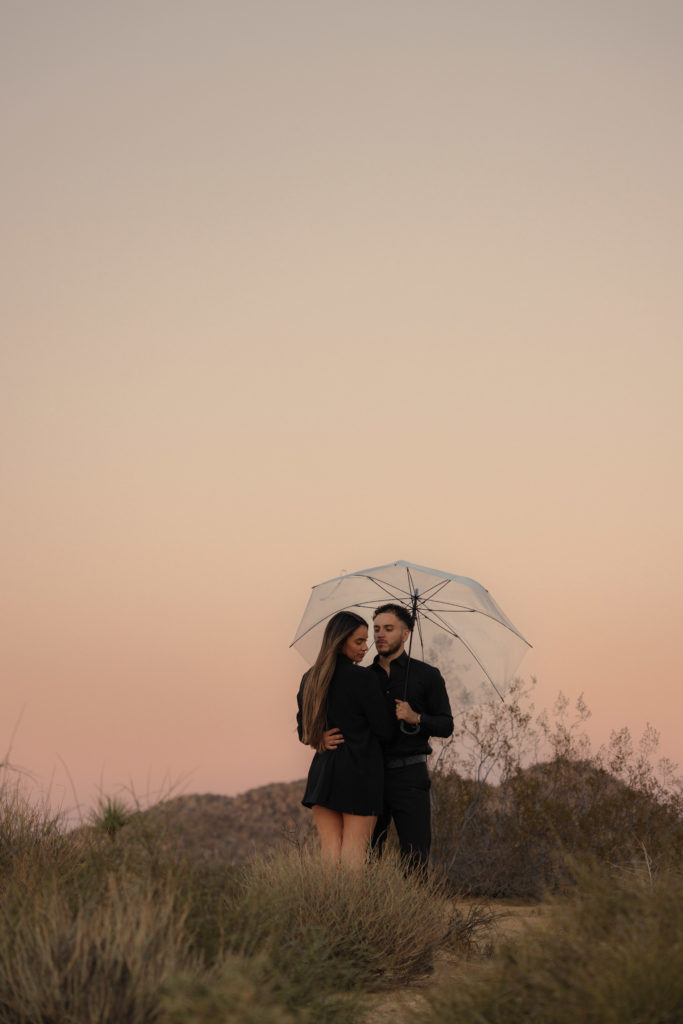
(426, 695)
(350, 778)
(406, 800)
(406, 786)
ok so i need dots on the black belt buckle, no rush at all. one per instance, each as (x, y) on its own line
(403, 762)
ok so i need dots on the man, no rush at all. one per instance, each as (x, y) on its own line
(423, 710)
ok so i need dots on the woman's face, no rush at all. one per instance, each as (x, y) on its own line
(355, 646)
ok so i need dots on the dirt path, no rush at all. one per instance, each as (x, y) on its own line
(511, 919)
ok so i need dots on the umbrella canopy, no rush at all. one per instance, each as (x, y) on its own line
(458, 626)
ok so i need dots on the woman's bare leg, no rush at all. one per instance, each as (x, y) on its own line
(329, 825)
(357, 833)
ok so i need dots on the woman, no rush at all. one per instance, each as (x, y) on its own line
(345, 785)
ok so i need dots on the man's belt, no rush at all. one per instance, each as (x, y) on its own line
(402, 762)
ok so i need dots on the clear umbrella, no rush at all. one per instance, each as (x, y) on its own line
(457, 624)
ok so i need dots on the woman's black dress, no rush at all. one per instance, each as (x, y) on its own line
(350, 778)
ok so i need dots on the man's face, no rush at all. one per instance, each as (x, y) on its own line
(390, 634)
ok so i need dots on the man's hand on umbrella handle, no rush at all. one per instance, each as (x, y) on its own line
(405, 713)
(332, 738)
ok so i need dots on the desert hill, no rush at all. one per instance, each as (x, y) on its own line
(212, 827)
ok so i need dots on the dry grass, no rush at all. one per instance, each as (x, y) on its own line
(102, 962)
(610, 955)
(122, 925)
(375, 927)
(102, 927)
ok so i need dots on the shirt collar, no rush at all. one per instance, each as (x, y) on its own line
(402, 660)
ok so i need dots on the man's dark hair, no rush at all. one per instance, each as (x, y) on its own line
(399, 610)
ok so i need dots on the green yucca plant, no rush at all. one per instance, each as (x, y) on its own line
(111, 815)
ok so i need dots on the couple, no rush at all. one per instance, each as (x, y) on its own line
(371, 737)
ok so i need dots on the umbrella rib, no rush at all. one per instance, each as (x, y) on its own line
(353, 604)
(394, 590)
(434, 589)
(389, 588)
(448, 629)
(399, 593)
(431, 593)
(318, 622)
(459, 609)
(386, 587)
(463, 609)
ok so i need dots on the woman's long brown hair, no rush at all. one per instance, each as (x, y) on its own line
(317, 679)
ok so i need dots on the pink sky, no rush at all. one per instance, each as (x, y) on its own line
(297, 289)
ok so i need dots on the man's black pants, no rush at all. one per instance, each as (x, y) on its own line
(406, 801)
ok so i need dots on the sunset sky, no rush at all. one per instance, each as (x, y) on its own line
(295, 287)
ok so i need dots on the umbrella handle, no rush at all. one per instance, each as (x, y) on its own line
(411, 730)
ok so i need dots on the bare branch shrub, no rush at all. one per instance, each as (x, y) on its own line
(515, 791)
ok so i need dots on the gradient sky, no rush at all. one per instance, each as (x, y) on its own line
(293, 288)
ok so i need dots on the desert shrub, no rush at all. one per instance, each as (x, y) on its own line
(290, 939)
(102, 962)
(611, 954)
(503, 826)
(511, 840)
(312, 939)
(246, 990)
(332, 930)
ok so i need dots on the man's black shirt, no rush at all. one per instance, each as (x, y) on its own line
(426, 695)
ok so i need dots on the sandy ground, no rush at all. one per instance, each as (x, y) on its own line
(511, 920)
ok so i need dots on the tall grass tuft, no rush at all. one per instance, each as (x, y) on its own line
(333, 930)
(104, 962)
(611, 955)
(30, 838)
